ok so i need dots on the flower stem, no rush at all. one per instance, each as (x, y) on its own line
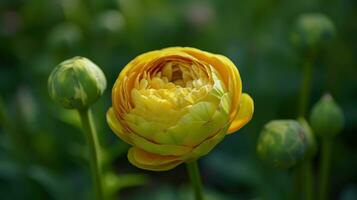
(296, 194)
(307, 174)
(305, 168)
(305, 89)
(195, 178)
(325, 168)
(94, 151)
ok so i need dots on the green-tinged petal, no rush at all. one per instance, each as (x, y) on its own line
(201, 111)
(217, 91)
(218, 87)
(147, 158)
(149, 161)
(161, 149)
(225, 104)
(202, 121)
(206, 146)
(244, 115)
(141, 142)
(116, 127)
(151, 130)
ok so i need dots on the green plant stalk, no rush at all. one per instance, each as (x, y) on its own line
(296, 194)
(195, 178)
(306, 168)
(307, 174)
(302, 176)
(305, 89)
(325, 168)
(94, 151)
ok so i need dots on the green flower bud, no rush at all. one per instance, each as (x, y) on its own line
(76, 83)
(326, 118)
(282, 143)
(312, 31)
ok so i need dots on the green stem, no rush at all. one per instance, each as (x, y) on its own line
(94, 151)
(307, 181)
(195, 178)
(305, 89)
(296, 195)
(325, 168)
(306, 168)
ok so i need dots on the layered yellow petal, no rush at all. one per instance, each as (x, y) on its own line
(206, 146)
(227, 71)
(116, 127)
(244, 115)
(149, 161)
(141, 142)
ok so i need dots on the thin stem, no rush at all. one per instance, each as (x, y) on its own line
(307, 181)
(305, 168)
(305, 89)
(195, 178)
(325, 168)
(94, 151)
(296, 195)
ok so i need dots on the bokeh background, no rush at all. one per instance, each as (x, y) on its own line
(42, 147)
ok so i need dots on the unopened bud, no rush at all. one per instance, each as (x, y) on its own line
(76, 83)
(326, 118)
(282, 143)
(312, 31)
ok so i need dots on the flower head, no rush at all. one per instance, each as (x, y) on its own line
(76, 83)
(327, 118)
(282, 143)
(312, 30)
(174, 105)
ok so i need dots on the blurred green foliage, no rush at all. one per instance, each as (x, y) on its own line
(41, 146)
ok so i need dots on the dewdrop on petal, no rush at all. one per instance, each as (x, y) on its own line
(76, 83)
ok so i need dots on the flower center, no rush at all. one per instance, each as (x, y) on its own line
(174, 84)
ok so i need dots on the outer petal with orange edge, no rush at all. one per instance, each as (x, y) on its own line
(141, 142)
(149, 161)
(244, 115)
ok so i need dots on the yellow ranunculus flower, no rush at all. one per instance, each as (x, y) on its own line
(174, 105)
